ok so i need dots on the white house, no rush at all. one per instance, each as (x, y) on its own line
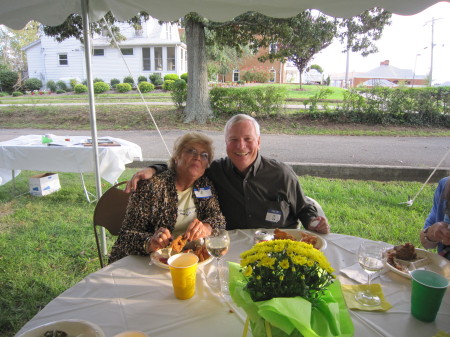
(153, 49)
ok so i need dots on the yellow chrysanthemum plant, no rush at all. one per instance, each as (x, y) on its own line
(287, 289)
(285, 268)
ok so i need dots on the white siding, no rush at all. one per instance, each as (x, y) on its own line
(43, 58)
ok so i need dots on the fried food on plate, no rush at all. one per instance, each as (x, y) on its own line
(178, 244)
(281, 235)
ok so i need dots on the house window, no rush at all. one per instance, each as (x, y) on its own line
(273, 48)
(235, 75)
(158, 59)
(63, 60)
(99, 52)
(170, 58)
(146, 59)
(273, 75)
(126, 51)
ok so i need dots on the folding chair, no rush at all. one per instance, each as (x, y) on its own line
(109, 213)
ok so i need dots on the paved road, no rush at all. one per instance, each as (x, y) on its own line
(406, 152)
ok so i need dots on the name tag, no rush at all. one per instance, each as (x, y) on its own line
(203, 192)
(273, 215)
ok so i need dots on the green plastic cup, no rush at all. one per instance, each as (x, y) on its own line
(428, 289)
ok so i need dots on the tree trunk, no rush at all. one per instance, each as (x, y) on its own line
(197, 103)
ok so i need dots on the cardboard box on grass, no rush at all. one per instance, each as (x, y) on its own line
(44, 184)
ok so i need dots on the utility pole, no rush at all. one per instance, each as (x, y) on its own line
(432, 47)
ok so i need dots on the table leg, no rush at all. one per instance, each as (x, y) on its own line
(86, 192)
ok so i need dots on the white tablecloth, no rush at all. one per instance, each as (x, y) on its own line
(28, 153)
(131, 295)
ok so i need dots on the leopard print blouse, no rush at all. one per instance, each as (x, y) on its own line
(154, 205)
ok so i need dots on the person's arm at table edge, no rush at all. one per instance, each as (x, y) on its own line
(144, 174)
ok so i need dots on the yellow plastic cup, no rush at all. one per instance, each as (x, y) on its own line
(183, 268)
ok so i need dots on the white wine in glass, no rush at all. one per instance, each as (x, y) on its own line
(217, 245)
(372, 258)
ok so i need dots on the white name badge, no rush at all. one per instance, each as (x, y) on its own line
(273, 215)
(203, 192)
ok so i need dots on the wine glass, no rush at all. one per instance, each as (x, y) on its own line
(217, 245)
(371, 257)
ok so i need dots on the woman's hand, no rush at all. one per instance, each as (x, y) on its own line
(437, 232)
(197, 230)
(319, 224)
(160, 239)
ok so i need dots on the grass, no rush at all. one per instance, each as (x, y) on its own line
(47, 243)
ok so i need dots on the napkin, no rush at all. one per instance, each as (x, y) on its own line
(356, 273)
(349, 291)
(441, 334)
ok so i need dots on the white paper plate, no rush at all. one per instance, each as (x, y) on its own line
(72, 327)
(426, 260)
(321, 243)
(155, 258)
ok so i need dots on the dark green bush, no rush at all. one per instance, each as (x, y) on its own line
(17, 93)
(101, 87)
(7, 80)
(156, 79)
(256, 101)
(168, 85)
(60, 91)
(32, 84)
(179, 93)
(51, 85)
(184, 77)
(256, 75)
(171, 77)
(61, 85)
(142, 79)
(95, 80)
(114, 82)
(3, 94)
(145, 87)
(80, 88)
(123, 87)
(128, 79)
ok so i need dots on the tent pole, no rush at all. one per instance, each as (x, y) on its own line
(90, 85)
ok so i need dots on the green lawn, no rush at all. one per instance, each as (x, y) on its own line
(47, 243)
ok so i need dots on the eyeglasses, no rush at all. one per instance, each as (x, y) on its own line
(194, 153)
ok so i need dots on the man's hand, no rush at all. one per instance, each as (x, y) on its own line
(439, 232)
(144, 174)
(319, 225)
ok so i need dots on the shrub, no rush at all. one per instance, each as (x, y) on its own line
(60, 91)
(260, 101)
(142, 78)
(80, 88)
(184, 77)
(168, 85)
(73, 82)
(95, 80)
(101, 87)
(123, 87)
(172, 77)
(114, 82)
(2, 94)
(179, 92)
(51, 85)
(61, 85)
(156, 79)
(256, 75)
(128, 79)
(17, 93)
(32, 84)
(7, 80)
(146, 87)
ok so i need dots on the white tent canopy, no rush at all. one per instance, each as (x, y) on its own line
(15, 14)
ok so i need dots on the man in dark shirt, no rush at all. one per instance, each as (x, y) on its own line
(254, 191)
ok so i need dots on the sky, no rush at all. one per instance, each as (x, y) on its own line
(401, 43)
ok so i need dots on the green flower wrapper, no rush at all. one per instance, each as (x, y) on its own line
(293, 316)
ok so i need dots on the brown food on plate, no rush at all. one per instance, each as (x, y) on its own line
(178, 244)
(308, 238)
(202, 253)
(280, 235)
(405, 252)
